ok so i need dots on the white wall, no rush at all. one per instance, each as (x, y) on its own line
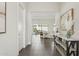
(8, 40)
(26, 23)
(57, 20)
(75, 6)
(21, 26)
(29, 26)
(28, 29)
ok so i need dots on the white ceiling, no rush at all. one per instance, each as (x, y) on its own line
(44, 6)
(43, 10)
(42, 15)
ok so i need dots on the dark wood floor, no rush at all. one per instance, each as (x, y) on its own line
(39, 47)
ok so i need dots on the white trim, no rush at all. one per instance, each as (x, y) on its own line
(24, 31)
(20, 4)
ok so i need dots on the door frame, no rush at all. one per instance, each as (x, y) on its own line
(20, 4)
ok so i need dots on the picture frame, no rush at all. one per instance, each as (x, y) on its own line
(66, 23)
(2, 17)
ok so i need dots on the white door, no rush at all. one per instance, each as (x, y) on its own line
(21, 27)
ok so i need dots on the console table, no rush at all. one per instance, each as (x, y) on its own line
(66, 46)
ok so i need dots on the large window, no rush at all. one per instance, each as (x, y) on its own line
(41, 27)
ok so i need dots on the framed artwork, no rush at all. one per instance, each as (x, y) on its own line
(66, 23)
(2, 17)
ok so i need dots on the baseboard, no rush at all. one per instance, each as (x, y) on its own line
(29, 43)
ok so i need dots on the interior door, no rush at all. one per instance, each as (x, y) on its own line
(21, 27)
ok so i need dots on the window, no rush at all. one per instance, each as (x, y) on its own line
(41, 27)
